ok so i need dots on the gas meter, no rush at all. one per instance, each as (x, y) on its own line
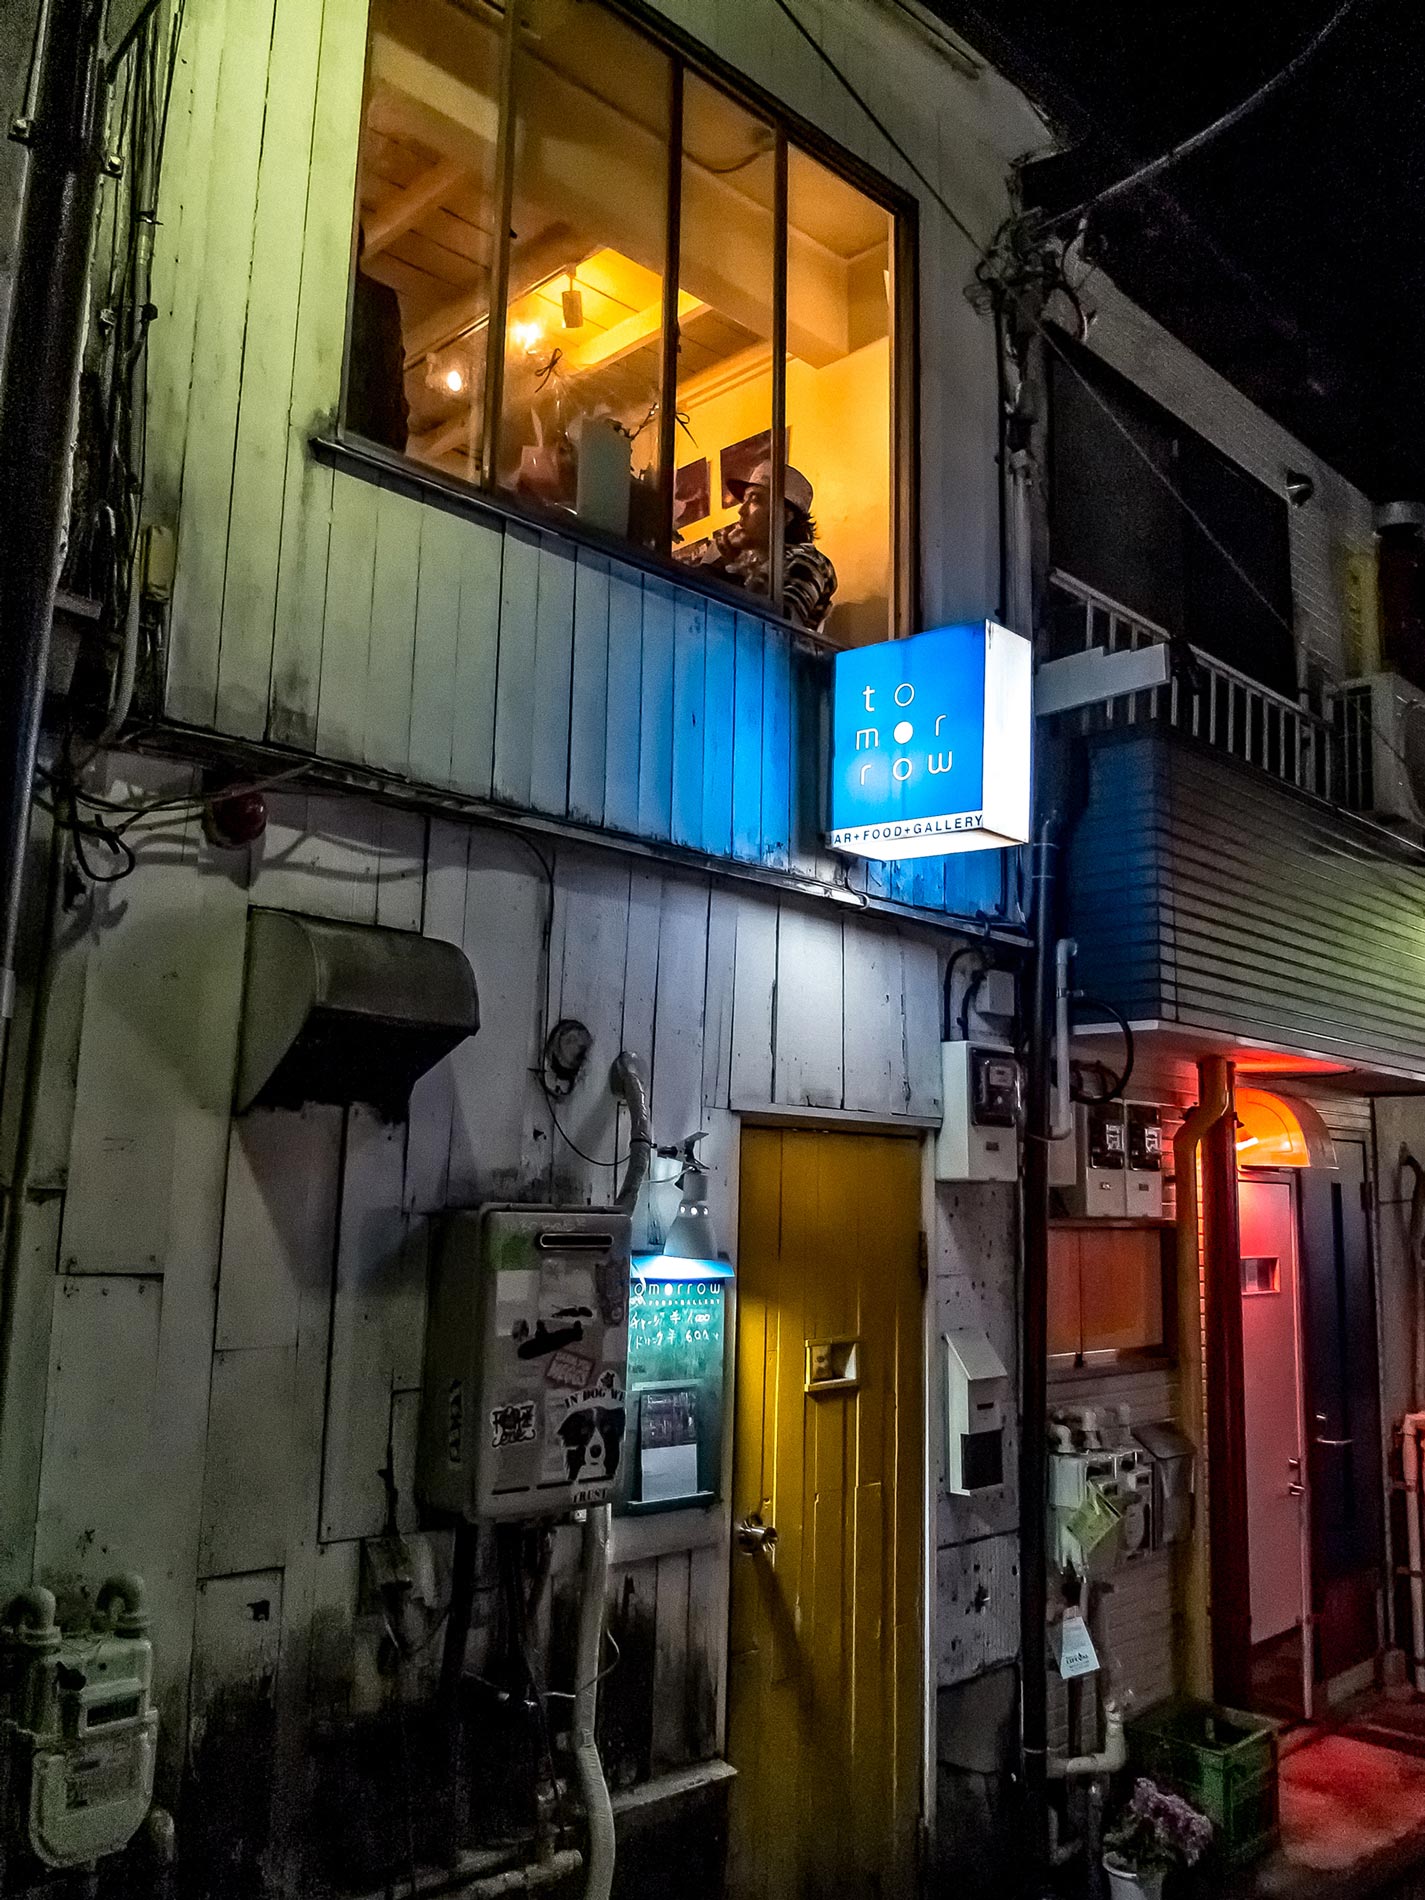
(81, 1725)
(526, 1358)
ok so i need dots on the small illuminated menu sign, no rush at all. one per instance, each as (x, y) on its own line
(931, 744)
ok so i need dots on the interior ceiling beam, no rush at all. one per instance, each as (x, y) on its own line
(531, 261)
(403, 210)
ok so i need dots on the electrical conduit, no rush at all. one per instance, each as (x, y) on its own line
(627, 1080)
(1195, 1673)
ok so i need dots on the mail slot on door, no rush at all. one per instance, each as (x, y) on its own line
(1174, 1468)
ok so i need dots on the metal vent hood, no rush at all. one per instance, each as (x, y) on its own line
(337, 1012)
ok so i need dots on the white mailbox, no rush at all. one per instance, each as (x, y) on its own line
(976, 1397)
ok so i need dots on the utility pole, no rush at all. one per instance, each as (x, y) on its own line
(62, 126)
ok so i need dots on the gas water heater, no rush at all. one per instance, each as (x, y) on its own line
(523, 1410)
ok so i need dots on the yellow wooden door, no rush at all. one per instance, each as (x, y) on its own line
(825, 1666)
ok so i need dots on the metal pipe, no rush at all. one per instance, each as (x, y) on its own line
(593, 1576)
(31, 1616)
(1033, 1443)
(1062, 1125)
(1413, 1426)
(627, 1079)
(1228, 1505)
(452, 1669)
(39, 396)
(1108, 1761)
(1194, 1668)
(532, 1877)
(127, 1586)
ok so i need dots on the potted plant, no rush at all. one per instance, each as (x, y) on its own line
(1155, 1833)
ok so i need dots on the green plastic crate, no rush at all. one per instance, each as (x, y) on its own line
(1224, 1762)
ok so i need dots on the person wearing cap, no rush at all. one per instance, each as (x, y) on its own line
(742, 550)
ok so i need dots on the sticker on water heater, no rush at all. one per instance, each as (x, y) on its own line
(513, 1424)
(583, 1433)
(569, 1368)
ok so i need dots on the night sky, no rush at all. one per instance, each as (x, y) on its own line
(1291, 252)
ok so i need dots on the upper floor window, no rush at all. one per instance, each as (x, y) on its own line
(589, 279)
(1210, 561)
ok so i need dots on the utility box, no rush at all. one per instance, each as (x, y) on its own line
(1174, 1459)
(523, 1412)
(976, 1398)
(1112, 1164)
(983, 1108)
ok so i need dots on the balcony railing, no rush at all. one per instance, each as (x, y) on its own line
(1209, 701)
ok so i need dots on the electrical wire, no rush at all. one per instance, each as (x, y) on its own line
(1185, 148)
(945, 205)
(1245, 278)
(594, 1161)
(1115, 1084)
(987, 254)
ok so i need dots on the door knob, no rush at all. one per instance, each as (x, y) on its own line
(753, 1535)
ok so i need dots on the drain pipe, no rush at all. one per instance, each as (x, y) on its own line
(39, 400)
(1108, 1761)
(1413, 1428)
(627, 1080)
(1196, 1668)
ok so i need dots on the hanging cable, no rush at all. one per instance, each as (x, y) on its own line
(945, 205)
(1114, 1084)
(1185, 148)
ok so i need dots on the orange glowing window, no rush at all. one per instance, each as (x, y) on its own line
(1275, 1131)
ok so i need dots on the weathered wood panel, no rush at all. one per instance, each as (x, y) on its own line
(330, 611)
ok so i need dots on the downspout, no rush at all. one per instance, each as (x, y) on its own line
(1412, 1428)
(626, 1078)
(1229, 1581)
(39, 398)
(1033, 1409)
(1194, 1672)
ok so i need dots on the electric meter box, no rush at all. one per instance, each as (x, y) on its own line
(983, 1095)
(83, 1732)
(976, 1398)
(523, 1411)
(1112, 1164)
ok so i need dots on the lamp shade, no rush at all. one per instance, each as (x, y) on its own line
(691, 1237)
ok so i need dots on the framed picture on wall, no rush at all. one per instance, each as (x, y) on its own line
(692, 493)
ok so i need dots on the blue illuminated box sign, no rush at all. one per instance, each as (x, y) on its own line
(930, 744)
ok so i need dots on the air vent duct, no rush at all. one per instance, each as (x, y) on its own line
(338, 1012)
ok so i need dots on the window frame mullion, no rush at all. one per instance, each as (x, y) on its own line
(498, 323)
(777, 527)
(672, 274)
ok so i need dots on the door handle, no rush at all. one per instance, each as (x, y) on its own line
(753, 1535)
(1296, 1490)
(1335, 1443)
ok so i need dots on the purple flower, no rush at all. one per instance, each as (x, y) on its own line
(1158, 1829)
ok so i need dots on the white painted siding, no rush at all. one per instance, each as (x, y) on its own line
(326, 611)
(227, 1316)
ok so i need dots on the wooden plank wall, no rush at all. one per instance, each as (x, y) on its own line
(338, 614)
(226, 1315)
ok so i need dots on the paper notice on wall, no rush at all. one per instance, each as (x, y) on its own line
(1094, 1519)
(1077, 1655)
